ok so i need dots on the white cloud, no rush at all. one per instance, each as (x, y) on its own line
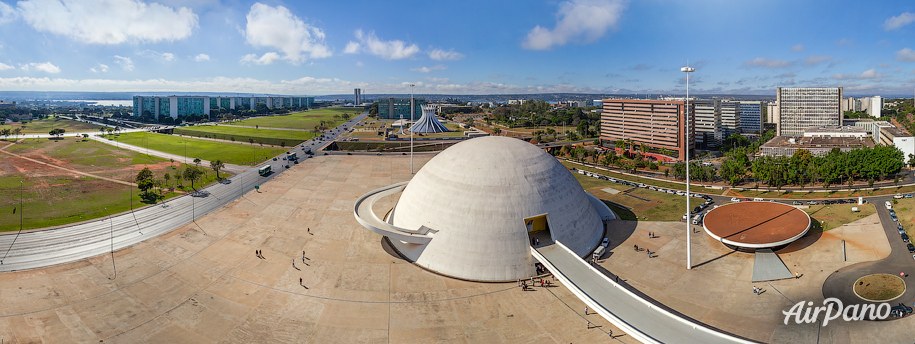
(99, 68)
(126, 63)
(168, 56)
(7, 13)
(266, 59)
(767, 63)
(425, 69)
(868, 74)
(582, 20)
(903, 19)
(389, 50)
(46, 67)
(202, 57)
(906, 54)
(278, 28)
(441, 55)
(351, 48)
(109, 21)
(162, 56)
(4, 66)
(797, 47)
(816, 59)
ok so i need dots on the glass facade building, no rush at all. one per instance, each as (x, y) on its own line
(804, 107)
(394, 108)
(174, 106)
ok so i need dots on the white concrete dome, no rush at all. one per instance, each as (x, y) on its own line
(475, 197)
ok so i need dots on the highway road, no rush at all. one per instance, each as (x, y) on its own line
(41, 248)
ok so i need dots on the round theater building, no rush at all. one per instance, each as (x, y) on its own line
(471, 211)
(748, 226)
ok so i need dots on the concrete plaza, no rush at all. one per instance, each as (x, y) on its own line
(205, 284)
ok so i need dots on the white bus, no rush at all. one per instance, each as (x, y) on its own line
(265, 170)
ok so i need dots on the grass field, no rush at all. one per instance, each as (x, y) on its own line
(243, 134)
(642, 203)
(55, 197)
(835, 215)
(230, 153)
(306, 120)
(905, 212)
(43, 126)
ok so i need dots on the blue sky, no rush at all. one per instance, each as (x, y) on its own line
(456, 47)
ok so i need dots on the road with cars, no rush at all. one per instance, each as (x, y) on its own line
(47, 247)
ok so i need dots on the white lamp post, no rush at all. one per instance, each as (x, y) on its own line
(689, 263)
(411, 127)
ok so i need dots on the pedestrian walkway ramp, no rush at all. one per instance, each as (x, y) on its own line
(641, 318)
(769, 267)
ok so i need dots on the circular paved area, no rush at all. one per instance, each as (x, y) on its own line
(756, 224)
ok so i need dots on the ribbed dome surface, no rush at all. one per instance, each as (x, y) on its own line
(477, 194)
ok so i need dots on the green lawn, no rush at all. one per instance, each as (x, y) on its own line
(43, 126)
(231, 153)
(306, 120)
(53, 197)
(819, 195)
(243, 134)
(642, 203)
(905, 212)
(834, 215)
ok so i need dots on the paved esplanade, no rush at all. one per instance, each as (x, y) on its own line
(640, 318)
(41, 248)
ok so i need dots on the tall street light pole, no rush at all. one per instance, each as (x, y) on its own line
(411, 127)
(689, 262)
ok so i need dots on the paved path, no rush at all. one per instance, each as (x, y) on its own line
(642, 319)
(839, 284)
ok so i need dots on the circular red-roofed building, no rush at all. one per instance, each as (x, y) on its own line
(749, 226)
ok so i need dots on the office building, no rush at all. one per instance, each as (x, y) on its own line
(874, 106)
(394, 108)
(751, 119)
(357, 93)
(800, 108)
(820, 145)
(174, 106)
(885, 133)
(658, 124)
(729, 112)
(771, 113)
(707, 116)
(832, 131)
(6, 104)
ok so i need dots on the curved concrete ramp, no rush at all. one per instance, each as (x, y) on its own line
(639, 318)
(362, 210)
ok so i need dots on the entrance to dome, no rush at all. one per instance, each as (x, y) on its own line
(538, 229)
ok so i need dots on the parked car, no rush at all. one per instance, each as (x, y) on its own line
(735, 199)
(897, 196)
(796, 203)
(812, 202)
(605, 242)
(907, 195)
(905, 237)
(910, 247)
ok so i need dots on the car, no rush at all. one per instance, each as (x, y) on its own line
(274, 159)
(685, 216)
(907, 196)
(735, 199)
(697, 209)
(910, 247)
(286, 166)
(605, 242)
(905, 237)
(897, 196)
(812, 202)
(796, 203)
(900, 230)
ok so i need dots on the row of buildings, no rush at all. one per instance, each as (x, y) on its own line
(174, 106)
(804, 118)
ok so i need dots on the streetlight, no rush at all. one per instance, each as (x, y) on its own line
(689, 264)
(411, 127)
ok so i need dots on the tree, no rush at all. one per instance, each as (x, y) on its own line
(145, 182)
(6, 132)
(497, 131)
(197, 161)
(217, 165)
(192, 174)
(57, 132)
(167, 177)
(17, 131)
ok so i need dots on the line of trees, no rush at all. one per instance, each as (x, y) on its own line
(7, 132)
(151, 188)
